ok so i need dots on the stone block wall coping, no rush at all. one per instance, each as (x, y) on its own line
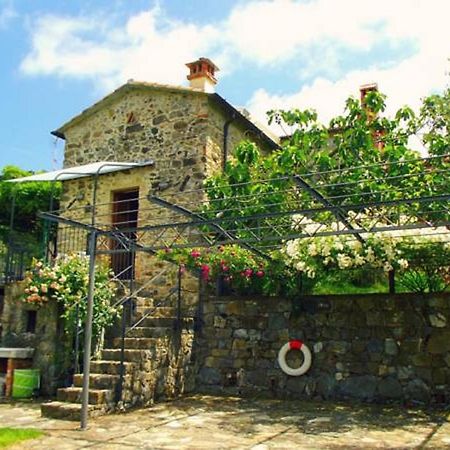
(16, 353)
(318, 297)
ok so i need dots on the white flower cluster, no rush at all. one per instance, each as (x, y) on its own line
(379, 250)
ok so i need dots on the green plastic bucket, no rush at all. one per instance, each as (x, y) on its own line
(25, 382)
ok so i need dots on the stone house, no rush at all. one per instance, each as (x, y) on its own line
(178, 136)
(184, 133)
(377, 347)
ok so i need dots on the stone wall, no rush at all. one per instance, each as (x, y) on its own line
(237, 132)
(366, 347)
(163, 371)
(182, 132)
(50, 355)
(146, 265)
(140, 125)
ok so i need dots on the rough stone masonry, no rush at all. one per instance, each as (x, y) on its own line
(368, 347)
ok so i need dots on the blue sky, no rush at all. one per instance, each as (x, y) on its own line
(59, 56)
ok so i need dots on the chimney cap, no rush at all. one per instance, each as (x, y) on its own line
(364, 89)
(202, 68)
(368, 87)
(200, 60)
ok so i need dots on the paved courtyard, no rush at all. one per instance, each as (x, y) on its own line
(206, 422)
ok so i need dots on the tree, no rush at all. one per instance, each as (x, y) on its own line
(29, 199)
(359, 158)
(433, 123)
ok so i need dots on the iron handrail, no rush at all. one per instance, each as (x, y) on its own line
(151, 310)
(125, 298)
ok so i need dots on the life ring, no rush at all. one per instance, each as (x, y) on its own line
(294, 345)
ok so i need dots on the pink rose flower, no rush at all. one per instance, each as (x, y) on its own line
(205, 271)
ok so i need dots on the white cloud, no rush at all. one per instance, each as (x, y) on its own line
(424, 23)
(403, 84)
(270, 31)
(7, 13)
(151, 46)
(147, 47)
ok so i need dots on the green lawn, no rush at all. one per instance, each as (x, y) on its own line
(10, 436)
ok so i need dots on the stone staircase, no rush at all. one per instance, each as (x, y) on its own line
(156, 365)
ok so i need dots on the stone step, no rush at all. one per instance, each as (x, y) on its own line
(130, 355)
(150, 332)
(159, 311)
(71, 411)
(138, 343)
(165, 322)
(99, 380)
(144, 293)
(96, 396)
(111, 367)
(144, 302)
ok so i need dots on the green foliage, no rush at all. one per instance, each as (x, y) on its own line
(359, 138)
(430, 270)
(239, 269)
(67, 282)
(358, 158)
(365, 159)
(30, 198)
(425, 279)
(352, 281)
(434, 123)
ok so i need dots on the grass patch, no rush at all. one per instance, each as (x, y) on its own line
(10, 436)
(343, 287)
(355, 281)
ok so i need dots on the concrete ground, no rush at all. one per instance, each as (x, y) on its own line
(206, 422)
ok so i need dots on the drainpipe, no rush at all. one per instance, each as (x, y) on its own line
(226, 126)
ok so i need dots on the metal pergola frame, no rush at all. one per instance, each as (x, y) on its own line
(224, 229)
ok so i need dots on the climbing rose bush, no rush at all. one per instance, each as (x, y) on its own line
(390, 250)
(314, 255)
(237, 267)
(66, 281)
(230, 262)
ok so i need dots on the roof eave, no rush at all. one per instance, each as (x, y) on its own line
(237, 114)
(58, 134)
(108, 99)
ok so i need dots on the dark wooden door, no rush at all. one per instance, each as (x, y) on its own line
(124, 220)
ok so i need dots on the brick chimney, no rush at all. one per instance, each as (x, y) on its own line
(377, 135)
(201, 74)
(366, 88)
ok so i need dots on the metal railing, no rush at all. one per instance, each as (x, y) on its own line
(14, 261)
(127, 303)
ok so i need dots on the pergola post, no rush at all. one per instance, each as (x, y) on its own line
(88, 331)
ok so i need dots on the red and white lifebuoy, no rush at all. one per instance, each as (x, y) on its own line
(307, 359)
